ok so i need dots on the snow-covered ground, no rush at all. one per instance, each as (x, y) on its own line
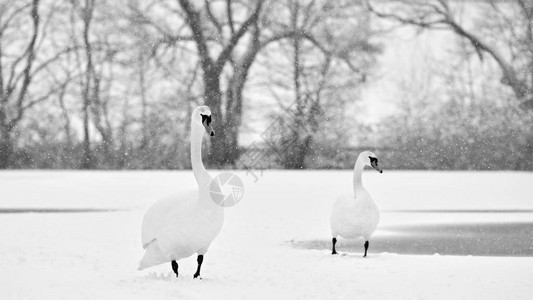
(275, 243)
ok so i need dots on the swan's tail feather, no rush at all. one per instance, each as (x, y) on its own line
(152, 256)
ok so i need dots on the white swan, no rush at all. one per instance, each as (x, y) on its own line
(356, 215)
(179, 226)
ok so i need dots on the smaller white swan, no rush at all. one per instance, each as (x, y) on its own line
(179, 226)
(356, 215)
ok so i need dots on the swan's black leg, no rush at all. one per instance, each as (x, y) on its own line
(366, 248)
(175, 267)
(333, 241)
(200, 259)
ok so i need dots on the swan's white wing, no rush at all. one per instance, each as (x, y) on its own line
(152, 256)
(339, 214)
(178, 226)
(352, 218)
(157, 217)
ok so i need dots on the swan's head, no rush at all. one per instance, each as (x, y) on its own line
(371, 160)
(202, 115)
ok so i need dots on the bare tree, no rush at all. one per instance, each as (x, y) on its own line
(95, 59)
(88, 84)
(22, 63)
(505, 35)
(227, 37)
(439, 14)
(224, 144)
(167, 76)
(329, 61)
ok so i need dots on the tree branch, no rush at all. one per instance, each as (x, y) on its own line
(31, 55)
(230, 17)
(193, 19)
(212, 17)
(12, 16)
(226, 52)
(519, 87)
(2, 99)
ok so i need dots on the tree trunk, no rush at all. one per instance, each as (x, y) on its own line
(144, 102)
(86, 161)
(528, 161)
(234, 102)
(294, 156)
(295, 149)
(234, 94)
(6, 148)
(66, 148)
(221, 152)
(234, 115)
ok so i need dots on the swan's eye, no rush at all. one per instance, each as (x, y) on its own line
(373, 160)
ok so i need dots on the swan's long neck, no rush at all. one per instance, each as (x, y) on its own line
(200, 173)
(357, 174)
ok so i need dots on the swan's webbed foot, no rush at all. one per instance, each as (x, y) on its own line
(200, 260)
(333, 251)
(175, 267)
(366, 248)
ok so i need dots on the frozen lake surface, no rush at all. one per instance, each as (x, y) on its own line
(77, 235)
(487, 239)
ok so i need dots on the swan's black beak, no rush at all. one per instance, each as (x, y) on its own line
(374, 164)
(209, 130)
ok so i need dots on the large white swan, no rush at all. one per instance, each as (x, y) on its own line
(356, 215)
(179, 226)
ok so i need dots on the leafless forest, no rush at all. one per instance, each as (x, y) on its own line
(93, 84)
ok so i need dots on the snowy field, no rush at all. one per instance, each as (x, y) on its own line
(443, 235)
